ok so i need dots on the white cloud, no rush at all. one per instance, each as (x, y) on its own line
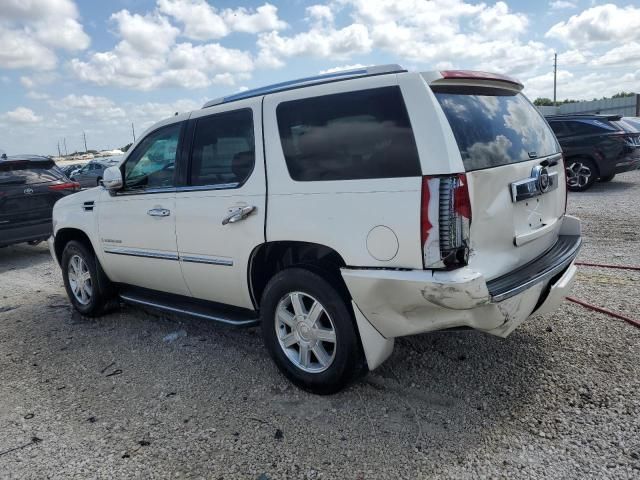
(22, 115)
(574, 57)
(627, 54)
(202, 21)
(37, 96)
(434, 32)
(146, 35)
(342, 68)
(148, 57)
(561, 5)
(582, 86)
(99, 108)
(31, 31)
(599, 24)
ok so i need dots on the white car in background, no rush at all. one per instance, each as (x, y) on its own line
(339, 212)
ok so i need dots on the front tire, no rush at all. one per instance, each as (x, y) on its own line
(87, 286)
(309, 331)
(581, 174)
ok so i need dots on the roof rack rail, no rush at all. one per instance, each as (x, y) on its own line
(303, 82)
(606, 116)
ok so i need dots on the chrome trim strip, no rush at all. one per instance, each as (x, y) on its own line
(571, 256)
(208, 260)
(528, 188)
(168, 308)
(144, 191)
(199, 188)
(140, 253)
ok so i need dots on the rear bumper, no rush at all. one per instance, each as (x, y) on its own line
(398, 303)
(19, 234)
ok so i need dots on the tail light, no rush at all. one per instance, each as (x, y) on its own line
(75, 186)
(450, 247)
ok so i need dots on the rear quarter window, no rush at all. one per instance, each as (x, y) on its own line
(348, 136)
(495, 127)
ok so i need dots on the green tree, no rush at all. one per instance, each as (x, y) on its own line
(543, 102)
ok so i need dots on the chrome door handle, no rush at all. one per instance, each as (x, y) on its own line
(159, 212)
(238, 214)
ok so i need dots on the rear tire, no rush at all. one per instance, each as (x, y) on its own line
(309, 331)
(88, 288)
(608, 178)
(581, 174)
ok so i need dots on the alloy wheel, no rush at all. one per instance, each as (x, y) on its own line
(80, 279)
(578, 174)
(305, 332)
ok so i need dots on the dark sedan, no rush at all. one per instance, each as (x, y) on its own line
(29, 187)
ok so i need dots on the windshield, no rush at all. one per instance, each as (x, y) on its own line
(495, 127)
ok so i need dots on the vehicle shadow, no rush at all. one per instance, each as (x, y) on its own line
(20, 256)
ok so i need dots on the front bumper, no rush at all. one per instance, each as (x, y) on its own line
(51, 242)
(398, 303)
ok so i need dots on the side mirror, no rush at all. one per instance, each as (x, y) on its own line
(112, 179)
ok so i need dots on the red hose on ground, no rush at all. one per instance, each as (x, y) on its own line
(633, 322)
(607, 265)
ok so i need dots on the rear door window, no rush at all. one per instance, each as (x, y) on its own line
(590, 127)
(495, 127)
(348, 136)
(223, 150)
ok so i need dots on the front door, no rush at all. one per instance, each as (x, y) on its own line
(137, 226)
(220, 212)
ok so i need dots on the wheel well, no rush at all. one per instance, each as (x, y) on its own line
(65, 235)
(272, 257)
(585, 157)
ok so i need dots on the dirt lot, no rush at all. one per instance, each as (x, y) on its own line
(115, 398)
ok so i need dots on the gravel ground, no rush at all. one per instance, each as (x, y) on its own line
(113, 398)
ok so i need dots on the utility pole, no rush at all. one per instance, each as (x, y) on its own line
(84, 136)
(59, 154)
(134, 132)
(64, 140)
(555, 74)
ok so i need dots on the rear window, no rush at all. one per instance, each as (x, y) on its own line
(348, 136)
(495, 127)
(28, 172)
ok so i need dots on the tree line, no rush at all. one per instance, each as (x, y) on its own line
(547, 102)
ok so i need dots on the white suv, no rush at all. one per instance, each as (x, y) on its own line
(339, 212)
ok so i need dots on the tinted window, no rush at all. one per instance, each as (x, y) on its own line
(152, 164)
(223, 149)
(28, 172)
(589, 127)
(348, 136)
(559, 128)
(495, 127)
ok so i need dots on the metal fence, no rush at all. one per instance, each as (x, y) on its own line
(625, 106)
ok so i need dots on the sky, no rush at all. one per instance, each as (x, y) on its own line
(68, 67)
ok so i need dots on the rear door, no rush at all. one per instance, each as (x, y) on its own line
(220, 211)
(505, 142)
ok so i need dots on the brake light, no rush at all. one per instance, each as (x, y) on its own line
(450, 248)
(65, 186)
(475, 75)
